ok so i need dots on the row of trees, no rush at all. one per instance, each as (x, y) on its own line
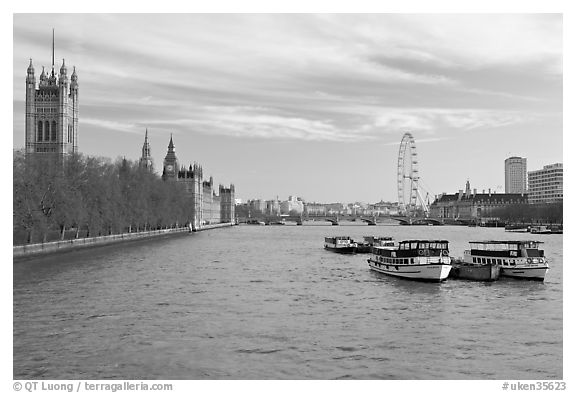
(91, 195)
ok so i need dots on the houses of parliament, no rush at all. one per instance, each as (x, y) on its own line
(51, 128)
(207, 206)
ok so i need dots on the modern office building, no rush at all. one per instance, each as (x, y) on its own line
(546, 185)
(515, 175)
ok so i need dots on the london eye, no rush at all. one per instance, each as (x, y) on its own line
(408, 177)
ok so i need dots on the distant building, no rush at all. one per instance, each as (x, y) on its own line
(207, 207)
(314, 209)
(273, 207)
(470, 205)
(146, 158)
(546, 185)
(257, 206)
(384, 208)
(292, 205)
(51, 124)
(515, 175)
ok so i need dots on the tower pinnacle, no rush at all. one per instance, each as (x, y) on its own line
(52, 51)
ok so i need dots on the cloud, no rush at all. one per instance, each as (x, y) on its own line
(309, 77)
(111, 125)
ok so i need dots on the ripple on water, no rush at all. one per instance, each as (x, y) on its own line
(206, 306)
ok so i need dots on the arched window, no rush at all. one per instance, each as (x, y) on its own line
(46, 130)
(54, 133)
(40, 136)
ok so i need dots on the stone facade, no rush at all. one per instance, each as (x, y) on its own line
(51, 111)
(468, 205)
(207, 206)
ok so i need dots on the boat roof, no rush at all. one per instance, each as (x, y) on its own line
(424, 241)
(338, 237)
(505, 241)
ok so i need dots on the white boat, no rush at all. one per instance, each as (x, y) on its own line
(516, 258)
(340, 244)
(424, 260)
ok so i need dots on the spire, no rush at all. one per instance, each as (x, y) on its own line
(63, 69)
(146, 159)
(74, 79)
(171, 144)
(52, 51)
(30, 74)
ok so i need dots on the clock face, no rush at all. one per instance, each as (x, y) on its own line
(169, 167)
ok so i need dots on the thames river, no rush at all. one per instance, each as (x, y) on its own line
(267, 302)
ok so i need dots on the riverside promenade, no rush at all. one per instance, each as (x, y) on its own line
(37, 249)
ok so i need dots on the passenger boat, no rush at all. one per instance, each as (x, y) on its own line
(424, 260)
(340, 244)
(517, 228)
(516, 258)
(370, 241)
(470, 271)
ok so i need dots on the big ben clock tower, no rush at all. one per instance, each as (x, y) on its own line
(170, 171)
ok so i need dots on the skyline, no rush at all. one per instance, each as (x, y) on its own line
(311, 105)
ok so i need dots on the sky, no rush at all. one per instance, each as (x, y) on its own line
(309, 105)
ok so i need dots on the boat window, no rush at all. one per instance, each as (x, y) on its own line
(532, 252)
(414, 245)
(412, 261)
(474, 259)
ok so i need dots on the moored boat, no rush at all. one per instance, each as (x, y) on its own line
(516, 258)
(469, 271)
(370, 241)
(424, 260)
(340, 244)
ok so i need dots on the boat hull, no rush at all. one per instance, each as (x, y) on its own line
(526, 273)
(341, 250)
(433, 272)
(475, 272)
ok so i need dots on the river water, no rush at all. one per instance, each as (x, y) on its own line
(267, 302)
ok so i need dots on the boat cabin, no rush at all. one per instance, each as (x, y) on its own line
(415, 248)
(505, 253)
(338, 240)
(379, 241)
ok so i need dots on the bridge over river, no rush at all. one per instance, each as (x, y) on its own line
(337, 219)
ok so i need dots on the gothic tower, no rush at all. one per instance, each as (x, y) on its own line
(170, 163)
(52, 111)
(146, 159)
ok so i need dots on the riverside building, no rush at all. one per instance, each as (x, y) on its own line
(51, 111)
(207, 207)
(546, 185)
(470, 205)
(515, 175)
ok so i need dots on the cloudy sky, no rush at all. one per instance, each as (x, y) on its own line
(311, 105)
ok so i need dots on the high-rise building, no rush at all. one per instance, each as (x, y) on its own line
(515, 175)
(52, 111)
(546, 185)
